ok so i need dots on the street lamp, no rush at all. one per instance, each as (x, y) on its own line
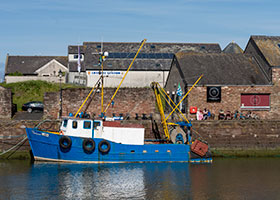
(60, 96)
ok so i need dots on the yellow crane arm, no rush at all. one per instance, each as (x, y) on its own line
(160, 108)
(165, 94)
(142, 44)
(184, 97)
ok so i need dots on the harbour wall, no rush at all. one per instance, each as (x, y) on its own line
(222, 136)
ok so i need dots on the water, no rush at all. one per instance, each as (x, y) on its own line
(223, 179)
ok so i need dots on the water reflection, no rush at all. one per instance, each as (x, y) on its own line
(112, 181)
(223, 179)
(101, 181)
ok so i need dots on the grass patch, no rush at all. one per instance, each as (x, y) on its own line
(24, 92)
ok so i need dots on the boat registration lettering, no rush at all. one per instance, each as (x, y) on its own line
(36, 133)
(45, 134)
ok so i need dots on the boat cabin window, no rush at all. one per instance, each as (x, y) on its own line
(74, 124)
(95, 124)
(65, 122)
(87, 124)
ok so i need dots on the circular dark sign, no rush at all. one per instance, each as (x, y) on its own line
(214, 92)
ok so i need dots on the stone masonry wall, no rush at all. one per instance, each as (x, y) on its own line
(127, 100)
(235, 134)
(5, 103)
(240, 134)
(231, 98)
(12, 132)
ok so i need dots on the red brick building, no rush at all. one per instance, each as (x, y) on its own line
(245, 82)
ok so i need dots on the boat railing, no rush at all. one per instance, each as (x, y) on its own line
(49, 125)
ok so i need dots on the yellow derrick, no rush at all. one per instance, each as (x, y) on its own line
(160, 92)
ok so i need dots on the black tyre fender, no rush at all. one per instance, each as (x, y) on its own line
(88, 145)
(104, 142)
(65, 142)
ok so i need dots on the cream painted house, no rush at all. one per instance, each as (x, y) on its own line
(25, 68)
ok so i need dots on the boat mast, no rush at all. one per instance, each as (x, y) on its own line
(102, 58)
(102, 79)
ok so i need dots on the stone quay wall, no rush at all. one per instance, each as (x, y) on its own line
(232, 135)
(12, 132)
(240, 134)
(127, 101)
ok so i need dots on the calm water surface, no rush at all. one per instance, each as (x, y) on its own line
(223, 179)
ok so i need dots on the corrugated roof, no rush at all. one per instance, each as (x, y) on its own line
(270, 48)
(221, 69)
(29, 64)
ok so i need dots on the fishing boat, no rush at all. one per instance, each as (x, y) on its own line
(96, 140)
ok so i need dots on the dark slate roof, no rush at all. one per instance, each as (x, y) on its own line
(232, 48)
(221, 69)
(29, 64)
(123, 64)
(91, 49)
(152, 47)
(270, 48)
(74, 49)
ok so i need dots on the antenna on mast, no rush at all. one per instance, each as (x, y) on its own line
(101, 45)
(102, 58)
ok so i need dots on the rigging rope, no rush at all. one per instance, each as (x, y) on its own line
(21, 142)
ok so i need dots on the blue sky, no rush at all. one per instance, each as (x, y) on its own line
(47, 27)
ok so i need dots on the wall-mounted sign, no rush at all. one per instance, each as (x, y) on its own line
(213, 94)
(104, 73)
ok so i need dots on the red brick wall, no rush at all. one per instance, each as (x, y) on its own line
(231, 98)
(127, 100)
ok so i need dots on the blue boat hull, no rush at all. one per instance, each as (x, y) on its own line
(45, 146)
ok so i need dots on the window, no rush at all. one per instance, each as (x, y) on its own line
(95, 124)
(76, 56)
(65, 122)
(87, 124)
(255, 101)
(75, 124)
